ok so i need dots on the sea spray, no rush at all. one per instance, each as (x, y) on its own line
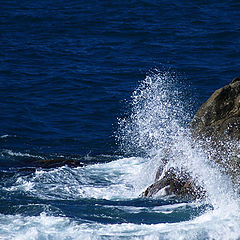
(207, 173)
(157, 128)
(101, 200)
(156, 114)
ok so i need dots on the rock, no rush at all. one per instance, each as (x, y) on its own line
(58, 162)
(175, 182)
(219, 117)
(218, 120)
(216, 126)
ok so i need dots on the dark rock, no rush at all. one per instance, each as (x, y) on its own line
(216, 126)
(58, 162)
(236, 79)
(176, 182)
(219, 117)
(218, 120)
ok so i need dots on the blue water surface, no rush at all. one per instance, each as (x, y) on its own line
(67, 66)
(68, 69)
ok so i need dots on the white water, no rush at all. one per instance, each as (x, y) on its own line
(155, 128)
(115, 180)
(118, 180)
(19, 154)
(158, 127)
(211, 225)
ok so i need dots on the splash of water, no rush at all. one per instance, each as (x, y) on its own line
(157, 127)
(154, 118)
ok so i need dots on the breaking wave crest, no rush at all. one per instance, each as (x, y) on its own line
(158, 128)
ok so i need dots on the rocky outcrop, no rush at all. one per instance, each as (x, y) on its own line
(216, 126)
(218, 121)
(219, 117)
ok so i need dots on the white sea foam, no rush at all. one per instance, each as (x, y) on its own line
(7, 136)
(19, 154)
(120, 179)
(211, 225)
(4, 136)
(156, 127)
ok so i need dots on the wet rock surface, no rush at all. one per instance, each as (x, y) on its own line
(219, 117)
(175, 182)
(216, 127)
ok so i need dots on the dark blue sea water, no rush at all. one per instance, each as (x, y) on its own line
(68, 72)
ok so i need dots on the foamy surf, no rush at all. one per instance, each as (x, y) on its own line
(211, 225)
(103, 201)
(120, 179)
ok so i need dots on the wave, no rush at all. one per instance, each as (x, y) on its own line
(106, 196)
(120, 182)
(158, 128)
(115, 180)
(7, 136)
(212, 225)
(19, 154)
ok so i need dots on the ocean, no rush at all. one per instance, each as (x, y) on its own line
(111, 86)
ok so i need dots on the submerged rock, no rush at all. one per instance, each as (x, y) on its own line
(218, 122)
(58, 162)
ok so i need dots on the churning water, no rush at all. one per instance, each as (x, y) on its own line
(68, 69)
(102, 200)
